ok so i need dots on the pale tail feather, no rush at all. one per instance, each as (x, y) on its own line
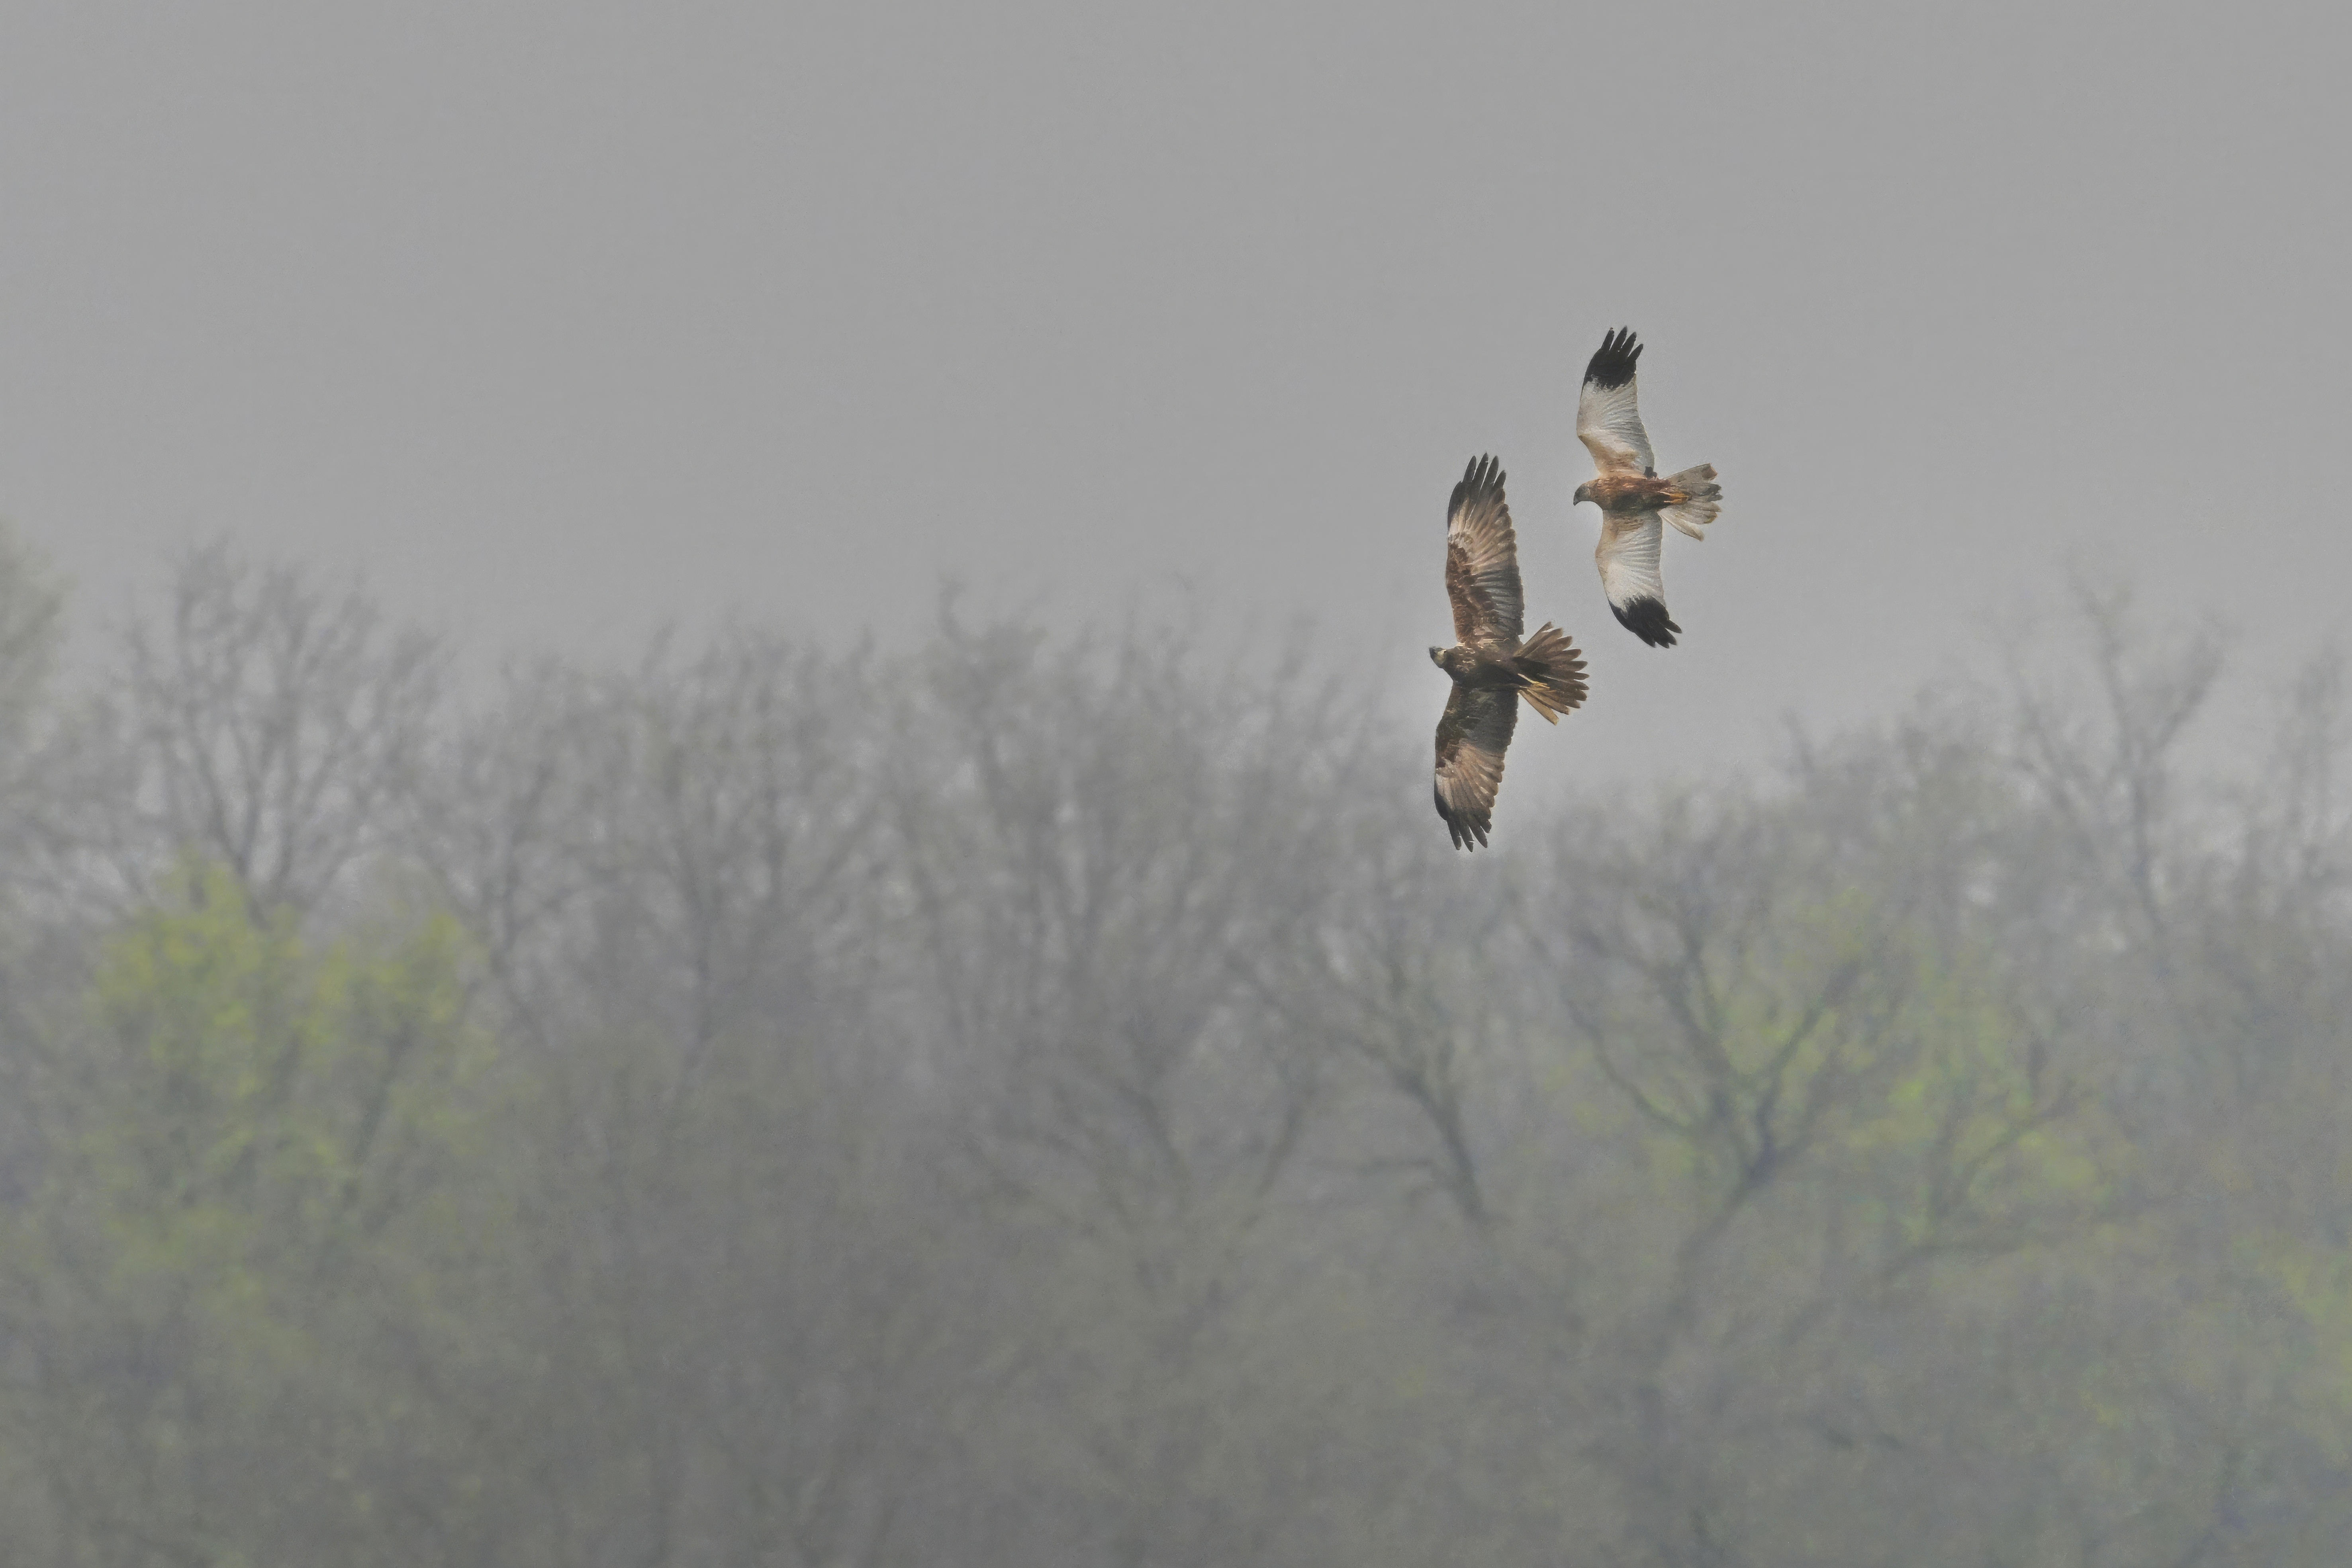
(1554, 672)
(1706, 499)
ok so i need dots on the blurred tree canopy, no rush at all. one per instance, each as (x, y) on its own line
(1010, 1101)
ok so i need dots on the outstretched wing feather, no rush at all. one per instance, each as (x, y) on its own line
(1471, 737)
(1608, 417)
(1482, 557)
(1628, 556)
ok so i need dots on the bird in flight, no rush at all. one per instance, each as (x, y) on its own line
(1491, 667)
(1632, 498)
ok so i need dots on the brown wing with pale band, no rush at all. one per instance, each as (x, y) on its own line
(1482, 558)
(1607, 419)
(1471, 740)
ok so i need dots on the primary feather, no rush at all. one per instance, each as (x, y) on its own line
(1608, 410)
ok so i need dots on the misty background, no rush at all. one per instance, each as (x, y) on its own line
(714, 828)
(563, 322)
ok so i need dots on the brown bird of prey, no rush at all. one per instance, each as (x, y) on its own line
(1630, 496)
(1491, 667)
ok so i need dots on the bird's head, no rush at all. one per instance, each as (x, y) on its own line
(1437, 657)
(1583, 493)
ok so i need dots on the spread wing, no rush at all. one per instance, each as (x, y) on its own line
(1482, 557)
(1471, 740)
(1607, 420)
(1629, 575)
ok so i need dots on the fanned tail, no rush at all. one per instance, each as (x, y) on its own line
(1705, 499)
(1552, 672)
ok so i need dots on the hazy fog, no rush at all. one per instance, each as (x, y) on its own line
(564, 321)
(645, 1035)
(1039, 1101)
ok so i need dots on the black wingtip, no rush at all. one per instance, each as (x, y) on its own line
(1483, 477)
(1613, 362)
(1646, 619)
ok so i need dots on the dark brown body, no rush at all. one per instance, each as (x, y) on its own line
(1544, 668)
(1487, 665)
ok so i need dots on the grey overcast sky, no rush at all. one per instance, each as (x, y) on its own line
(561, 322)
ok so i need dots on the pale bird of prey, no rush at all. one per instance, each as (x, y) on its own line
(1491, 667)
(1630, 496)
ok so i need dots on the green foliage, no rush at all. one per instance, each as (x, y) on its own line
(1021, 1103)
(1975, 1142)
(251, 1141)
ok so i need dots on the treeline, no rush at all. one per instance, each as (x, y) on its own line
(1040, 1101)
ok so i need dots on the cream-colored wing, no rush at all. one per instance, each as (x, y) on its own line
(1629, 576)
(1608, 420)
